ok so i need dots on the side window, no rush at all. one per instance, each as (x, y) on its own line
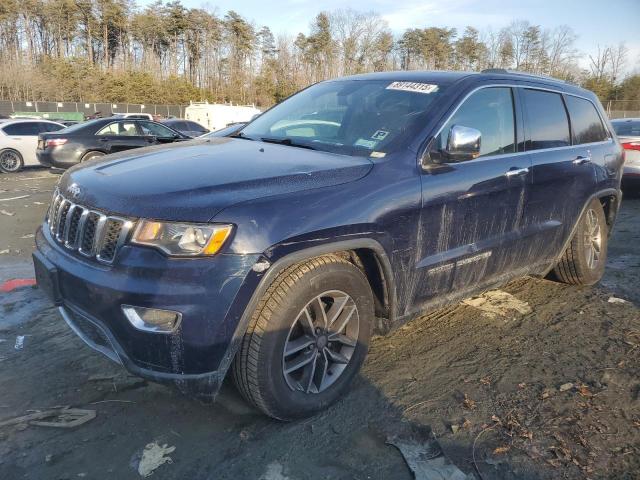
(157, 130)
(490, 111)
(195, 127)
(547, 121)
(119, 129)
(44, 127)
(585, 122)
(23, 128)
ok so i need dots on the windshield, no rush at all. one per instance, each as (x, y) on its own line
(350, 117)
(627, 128)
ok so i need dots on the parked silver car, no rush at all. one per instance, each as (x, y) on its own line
(628, 131)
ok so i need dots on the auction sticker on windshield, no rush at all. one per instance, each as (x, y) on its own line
(417, 87)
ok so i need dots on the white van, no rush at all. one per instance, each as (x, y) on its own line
(134, 116)
(215, 116)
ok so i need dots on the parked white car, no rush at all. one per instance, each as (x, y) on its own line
(19, 141)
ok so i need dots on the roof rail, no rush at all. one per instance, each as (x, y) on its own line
(526, 74)
(495, 70)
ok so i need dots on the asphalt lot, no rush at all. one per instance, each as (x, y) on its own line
(545, 383)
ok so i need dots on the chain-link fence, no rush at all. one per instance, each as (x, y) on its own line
(623, 108)
(8, 107)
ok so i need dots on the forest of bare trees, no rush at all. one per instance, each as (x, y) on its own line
(111, 50)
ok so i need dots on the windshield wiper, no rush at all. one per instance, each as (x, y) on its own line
(241, 136)
(286, 141)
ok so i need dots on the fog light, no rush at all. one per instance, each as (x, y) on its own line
(152, 319)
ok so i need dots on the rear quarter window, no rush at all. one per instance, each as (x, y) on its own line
(547, 121)
(586, 124)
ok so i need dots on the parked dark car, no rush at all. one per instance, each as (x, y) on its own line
(227, 131)
(349, 208)
(96, 138)
(186, 127)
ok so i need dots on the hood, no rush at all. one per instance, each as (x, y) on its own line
(193, 181)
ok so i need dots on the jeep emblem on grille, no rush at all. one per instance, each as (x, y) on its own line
(74, 190)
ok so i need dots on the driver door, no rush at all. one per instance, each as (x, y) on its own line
(472, 206)
(159, 133)
(119, 136)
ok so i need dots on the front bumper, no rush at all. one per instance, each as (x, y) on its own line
(211, 294)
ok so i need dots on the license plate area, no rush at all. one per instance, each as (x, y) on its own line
(47, 278)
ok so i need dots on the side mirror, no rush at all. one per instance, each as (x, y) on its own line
(463, 143)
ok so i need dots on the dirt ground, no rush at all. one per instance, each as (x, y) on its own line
(537, 380)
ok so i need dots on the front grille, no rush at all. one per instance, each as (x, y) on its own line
(89, 232)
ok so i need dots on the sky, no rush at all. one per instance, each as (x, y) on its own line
(596, 22)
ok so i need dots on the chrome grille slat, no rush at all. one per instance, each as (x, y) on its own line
(89, 232)
(65, 205)
(67, 224)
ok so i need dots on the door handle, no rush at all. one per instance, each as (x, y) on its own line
(516, 172)
(581, 160)
(104, 139)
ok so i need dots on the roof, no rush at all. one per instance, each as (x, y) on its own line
(7, 121)
(628, 119)
(439, 77)
(444, 78)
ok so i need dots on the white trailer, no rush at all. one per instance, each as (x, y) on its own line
(215, 116)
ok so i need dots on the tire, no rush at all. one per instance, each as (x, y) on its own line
(91, 156)
(267, 376)
(11, 161)
(583, 262)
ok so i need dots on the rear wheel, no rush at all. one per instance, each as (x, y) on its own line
(11, 161)
(91, 156)
(584, 260)
(307, 338)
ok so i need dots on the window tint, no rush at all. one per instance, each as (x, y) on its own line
(196, 127)
(627, 128)
(24, 128)
(548, 125)
(119, 128)
(49, 127)
(157, 130)
(490, 111)
(585, 121)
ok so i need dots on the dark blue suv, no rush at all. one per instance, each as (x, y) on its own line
(349, 208)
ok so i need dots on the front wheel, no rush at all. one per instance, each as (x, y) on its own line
(11, 161)
(307, 338)
(583, 262)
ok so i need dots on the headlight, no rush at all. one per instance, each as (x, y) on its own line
(182, 239)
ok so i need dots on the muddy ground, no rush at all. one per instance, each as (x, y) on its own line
(536, 381)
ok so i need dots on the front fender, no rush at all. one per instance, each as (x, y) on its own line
(298, 252)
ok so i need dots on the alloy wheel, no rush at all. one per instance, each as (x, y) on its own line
(592, 239)
(321, 342)
(9, 161)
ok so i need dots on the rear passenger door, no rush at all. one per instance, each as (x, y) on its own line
(562, 173)
(24, 138)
